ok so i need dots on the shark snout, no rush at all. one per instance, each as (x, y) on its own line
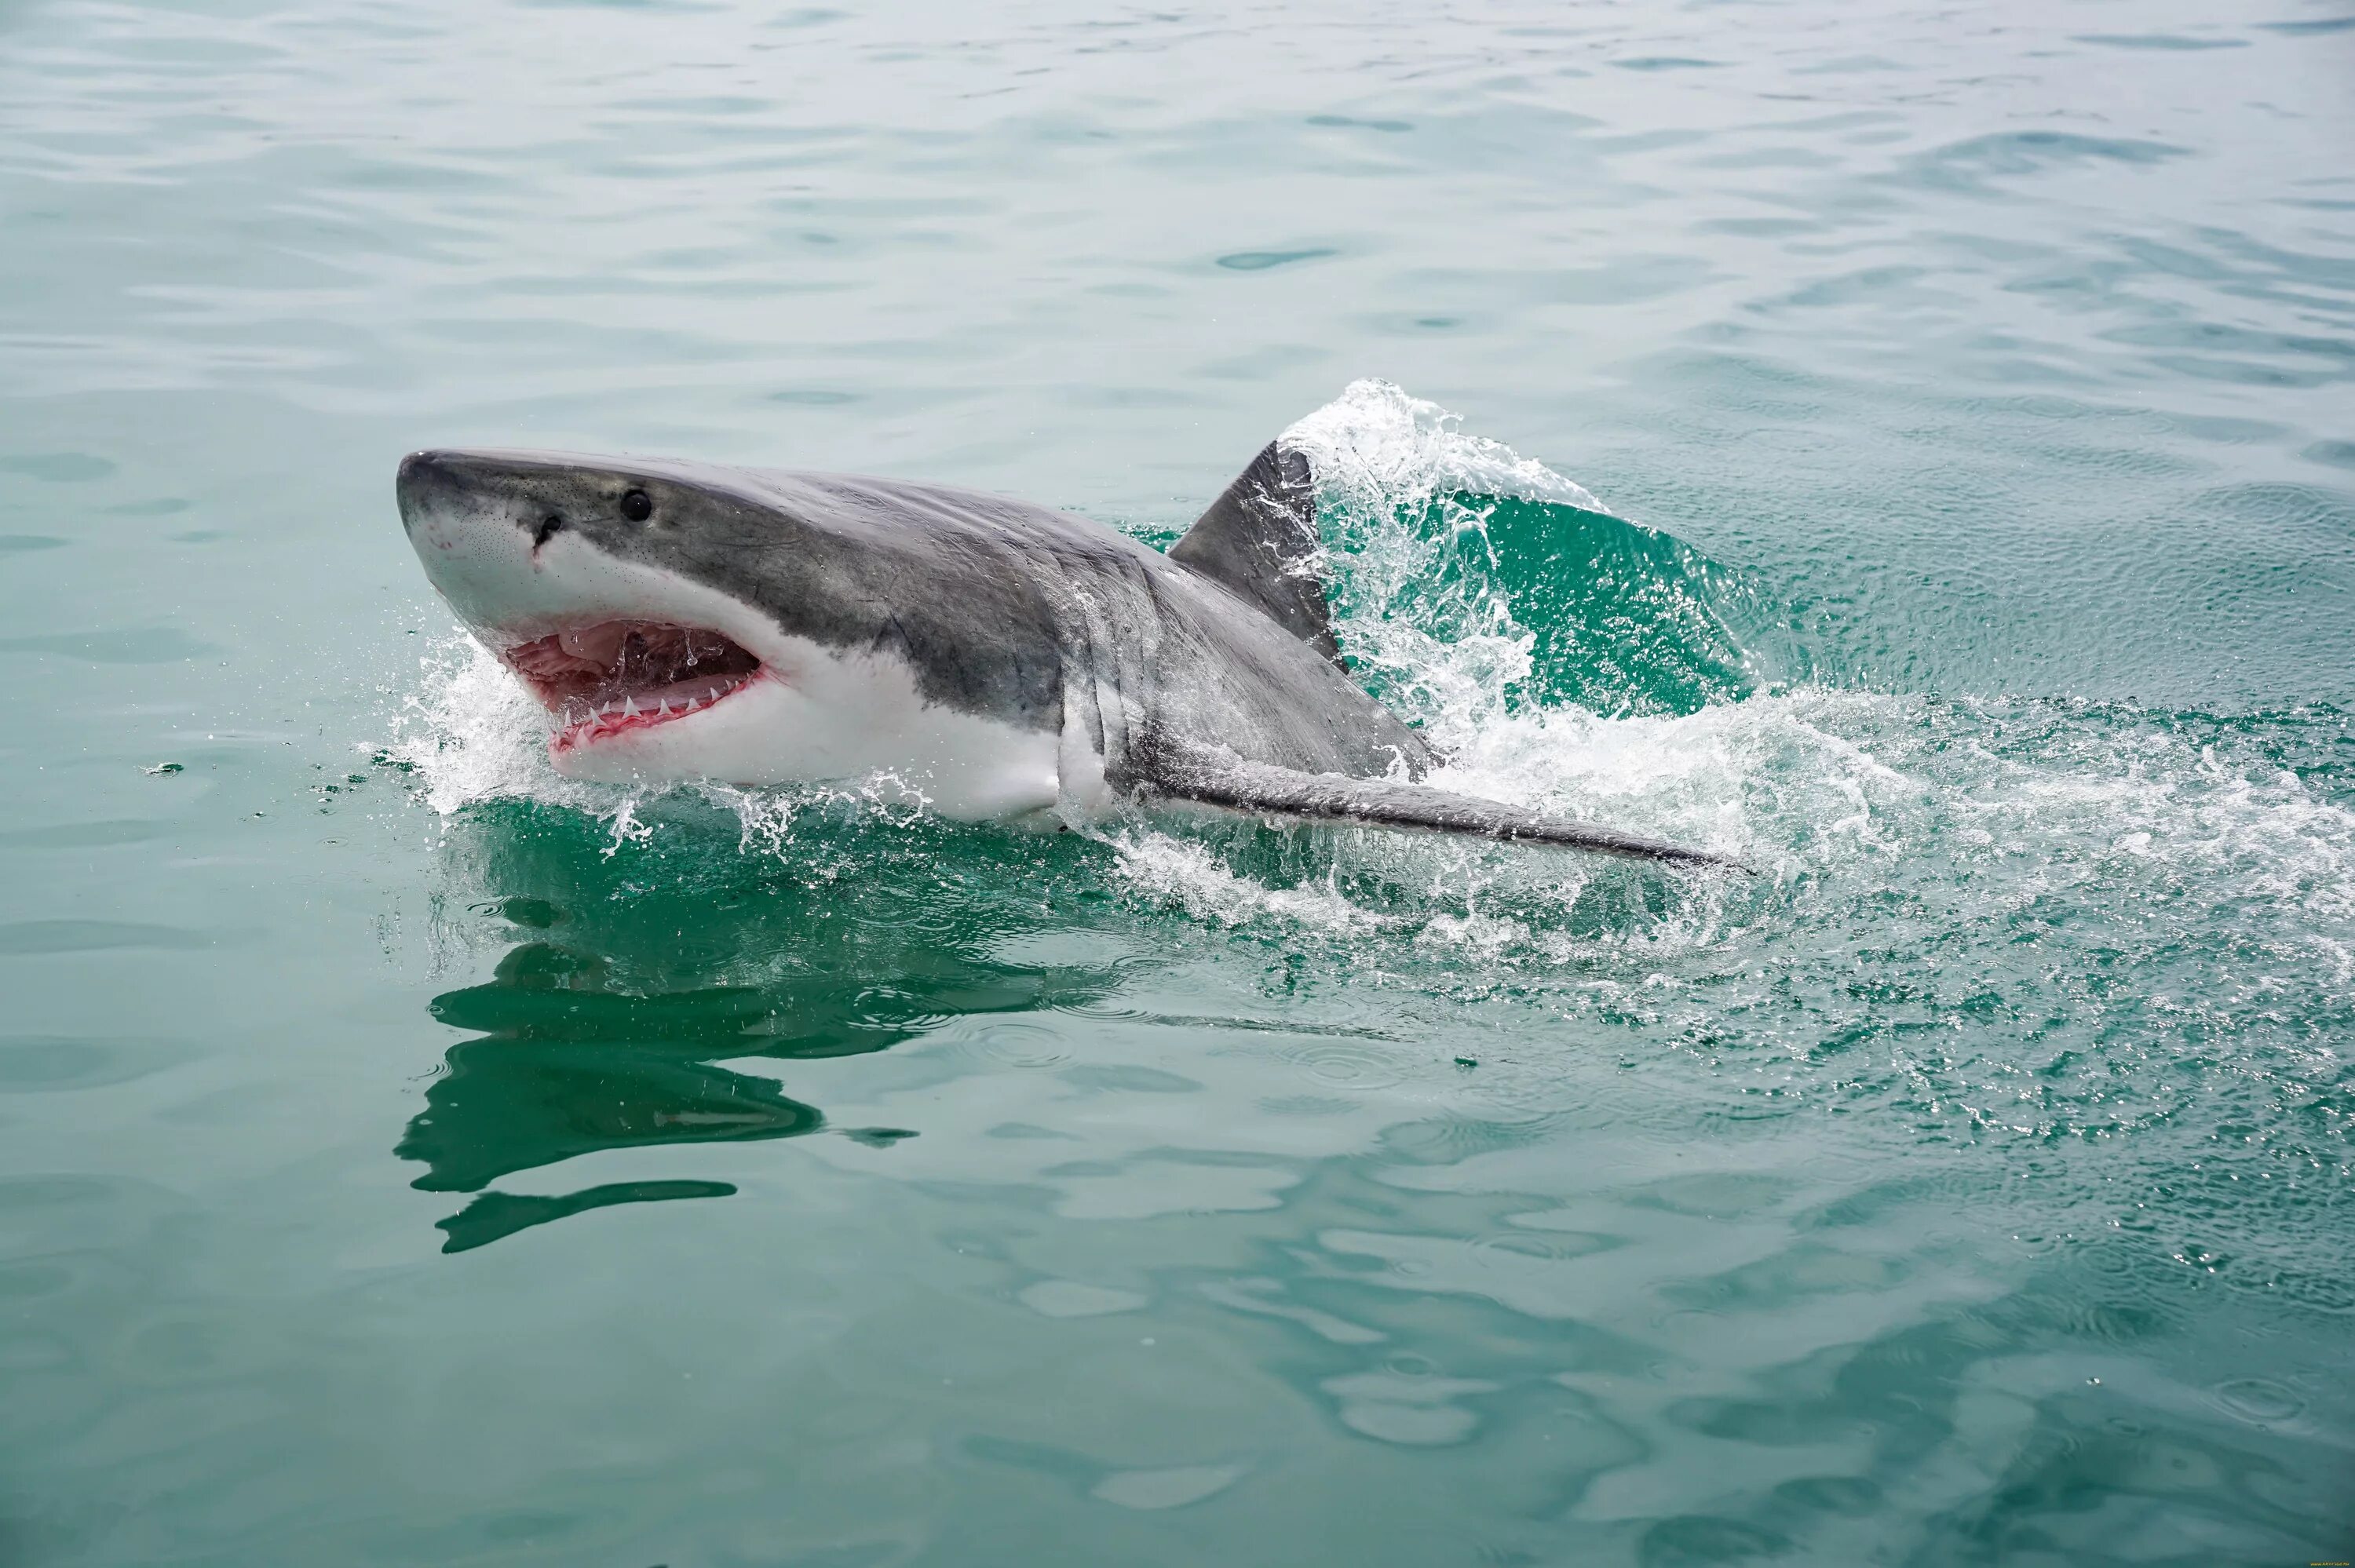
(468, 521)
(432, 480)
(418, 466)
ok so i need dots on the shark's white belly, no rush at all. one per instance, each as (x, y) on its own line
(817, 716)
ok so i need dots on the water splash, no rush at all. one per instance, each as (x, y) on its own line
(1469, 582)
(1848, 801)
(471, 733)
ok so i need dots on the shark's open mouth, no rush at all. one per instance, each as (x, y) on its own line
(623, 675)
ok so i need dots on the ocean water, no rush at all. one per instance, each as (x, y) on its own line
(1911, 447)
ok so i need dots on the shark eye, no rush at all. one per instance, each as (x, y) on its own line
(637, 505)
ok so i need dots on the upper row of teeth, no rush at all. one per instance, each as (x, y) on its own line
(627, 707)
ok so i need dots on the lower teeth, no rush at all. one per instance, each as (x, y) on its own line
(627, 707)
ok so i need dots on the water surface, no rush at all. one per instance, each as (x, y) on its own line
(1912, 451)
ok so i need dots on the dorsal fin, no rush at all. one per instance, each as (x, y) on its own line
(1256, 539)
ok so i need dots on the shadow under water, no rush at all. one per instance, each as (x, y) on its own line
(648, 973)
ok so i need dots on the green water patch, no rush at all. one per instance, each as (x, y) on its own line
(1625, 618)
(653, 991)
(494, 1216)
(1464, 599)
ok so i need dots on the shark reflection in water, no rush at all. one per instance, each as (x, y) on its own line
(605, 1029)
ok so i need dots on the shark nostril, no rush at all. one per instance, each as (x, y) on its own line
(549, 526)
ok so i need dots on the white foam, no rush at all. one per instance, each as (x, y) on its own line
(1378, 444)
(471, 732)
(1829, 789)
(1380, 458)
(1164, 867)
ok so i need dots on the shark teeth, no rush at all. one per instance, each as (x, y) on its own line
(581, 720)
(612, 677)
(609, 676)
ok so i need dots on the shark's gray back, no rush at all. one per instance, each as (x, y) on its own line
(1028, 616)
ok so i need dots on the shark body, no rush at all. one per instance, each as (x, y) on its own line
(690, 620)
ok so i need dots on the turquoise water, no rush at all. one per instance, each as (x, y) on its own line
(1914, 449)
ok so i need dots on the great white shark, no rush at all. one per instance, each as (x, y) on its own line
(685, 621)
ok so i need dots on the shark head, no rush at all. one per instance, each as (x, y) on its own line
(580, 577)
(687, 620)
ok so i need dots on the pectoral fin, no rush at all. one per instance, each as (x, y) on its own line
(1214, 778)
